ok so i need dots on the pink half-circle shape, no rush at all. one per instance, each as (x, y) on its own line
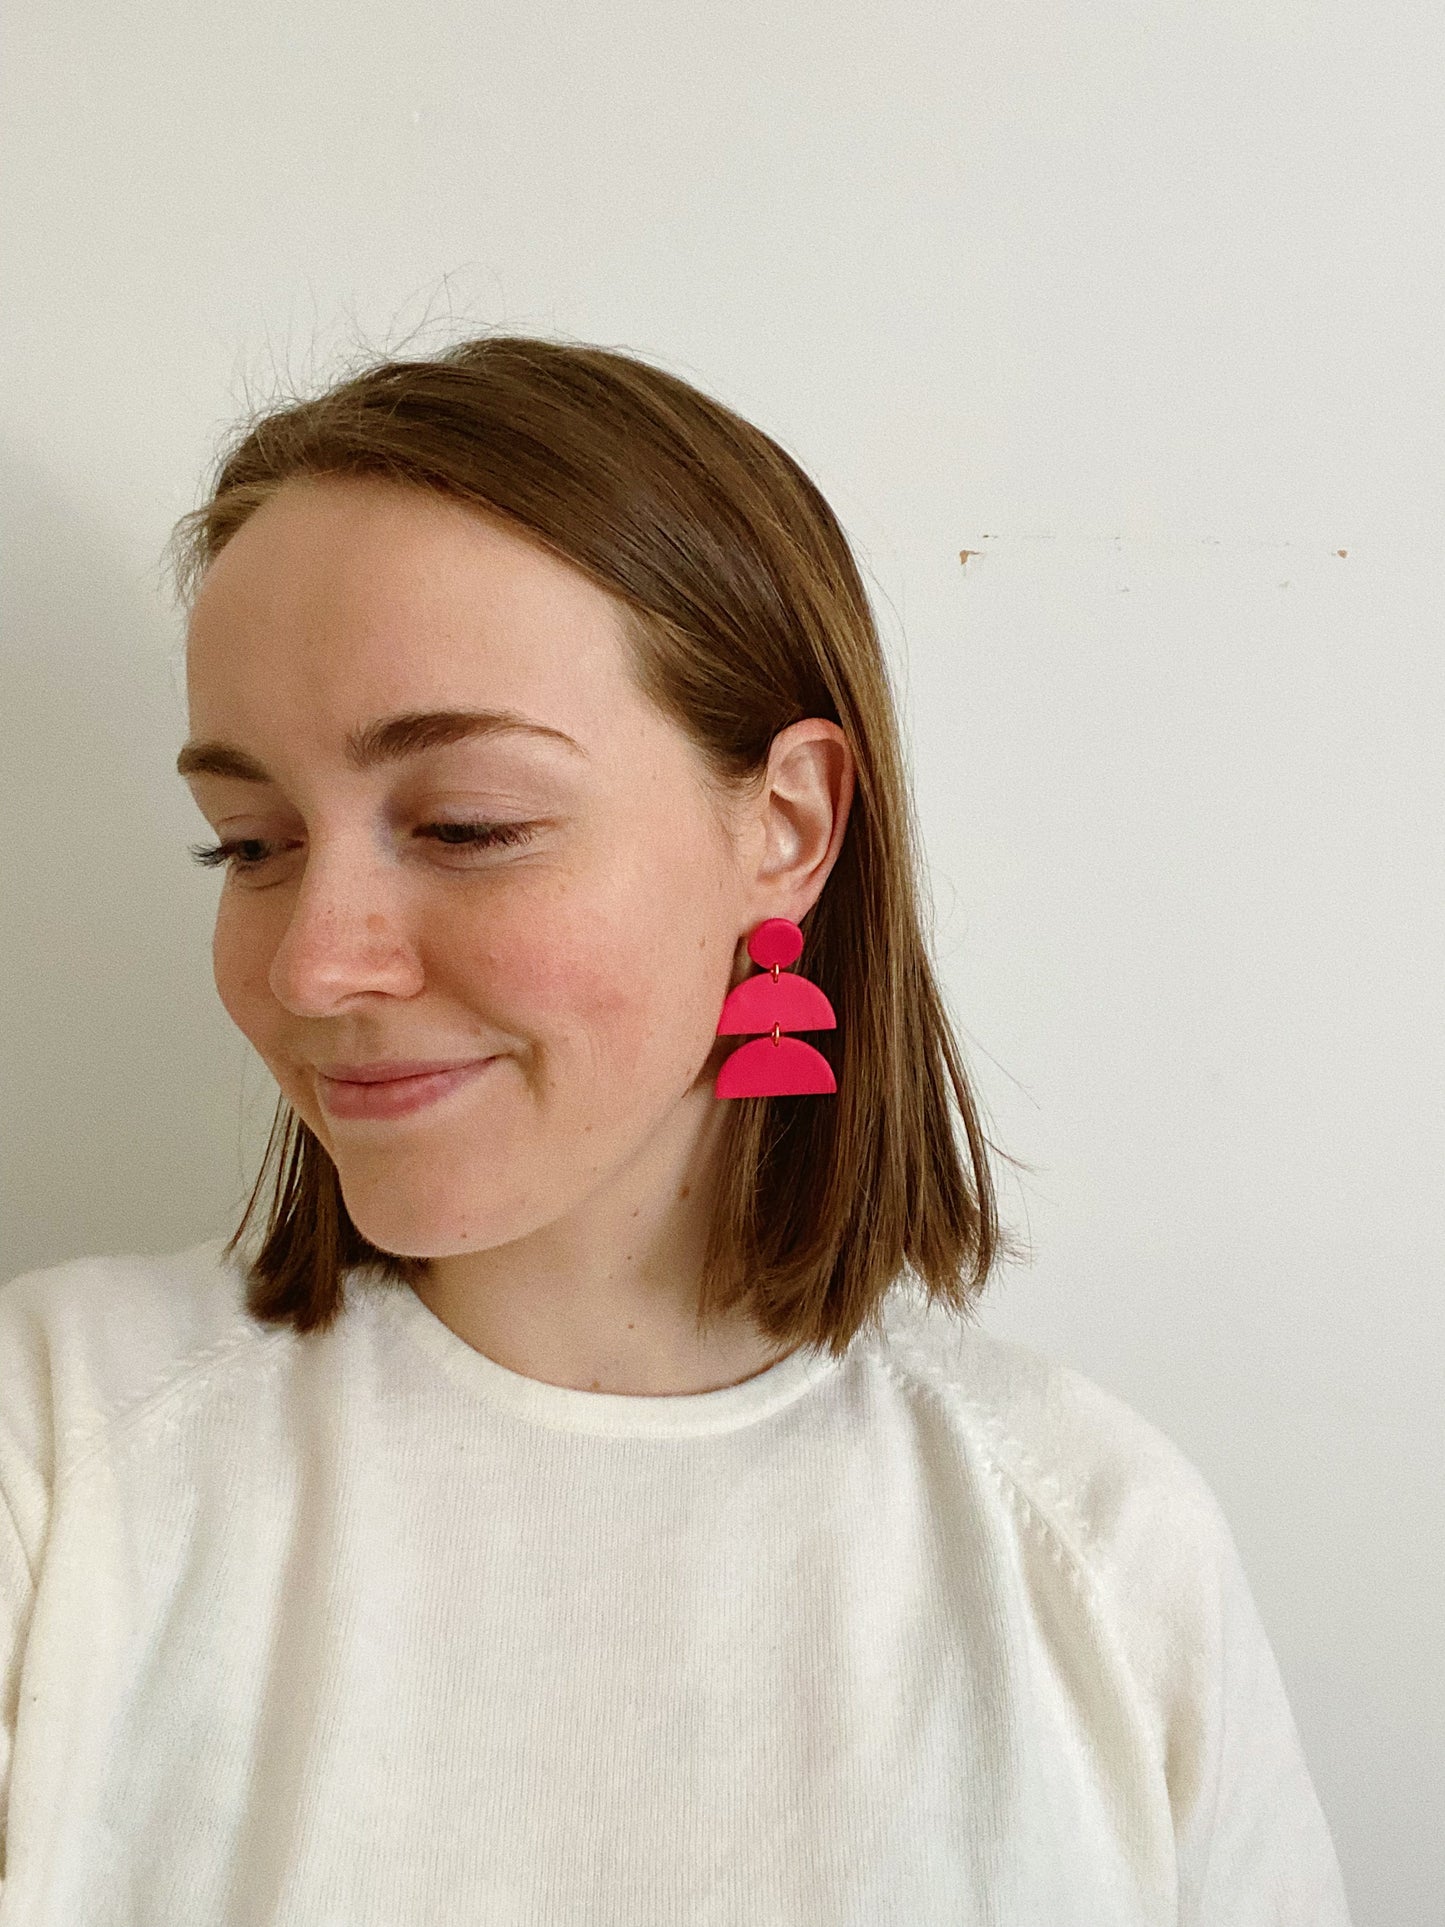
(787, 1068)
(757, 1003)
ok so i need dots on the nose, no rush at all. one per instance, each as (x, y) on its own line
(350, 931)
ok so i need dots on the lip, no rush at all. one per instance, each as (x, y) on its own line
(383, 1073)
(394, 1096)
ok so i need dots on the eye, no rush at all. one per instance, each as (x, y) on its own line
(450, 835)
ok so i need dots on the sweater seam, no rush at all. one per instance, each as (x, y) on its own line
(9, 1512)
(1029, 1486)
(195, 1370)
(1047, 1509)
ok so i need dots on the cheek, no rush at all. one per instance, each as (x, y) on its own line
(568, 981)
(238, 964)
(616, 993)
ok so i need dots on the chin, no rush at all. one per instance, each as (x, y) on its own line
(391, 1227)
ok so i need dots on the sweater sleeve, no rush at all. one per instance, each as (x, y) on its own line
(16, 1595)
(27, 1466)
(1254, 1847)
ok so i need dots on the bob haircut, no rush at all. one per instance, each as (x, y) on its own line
(742, 610)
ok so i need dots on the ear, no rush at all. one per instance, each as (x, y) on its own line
(798, 819)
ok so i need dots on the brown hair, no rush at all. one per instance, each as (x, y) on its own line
(744, 611)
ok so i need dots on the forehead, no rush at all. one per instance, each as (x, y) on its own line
(341, 602)
(360, 594)
(340, 546)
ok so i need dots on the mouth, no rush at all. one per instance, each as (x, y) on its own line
(395, 1096)
(386, 1073)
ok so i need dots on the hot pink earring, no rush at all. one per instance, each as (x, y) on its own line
(775, 1066)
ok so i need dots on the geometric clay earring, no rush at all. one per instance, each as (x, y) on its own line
(777, 1001)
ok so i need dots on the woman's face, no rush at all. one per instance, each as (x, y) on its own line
(589, 957)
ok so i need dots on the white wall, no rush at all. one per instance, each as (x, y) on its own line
(1140, 304)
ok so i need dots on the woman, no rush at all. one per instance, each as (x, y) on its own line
(595, 1500)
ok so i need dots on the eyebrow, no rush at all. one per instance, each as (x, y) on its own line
(389, 739)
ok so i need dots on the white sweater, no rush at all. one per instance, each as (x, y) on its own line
(364, 1630)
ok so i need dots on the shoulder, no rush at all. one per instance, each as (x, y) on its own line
(1164, 1608)
(1116, 1494)
(1131, 1522)
(90, 1345)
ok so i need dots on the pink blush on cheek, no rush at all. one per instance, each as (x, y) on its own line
(611, 1018)
(541, 987)
(609, 988)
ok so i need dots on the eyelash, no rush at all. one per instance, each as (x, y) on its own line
(484, 835)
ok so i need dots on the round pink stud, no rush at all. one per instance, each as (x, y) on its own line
(777, 940)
